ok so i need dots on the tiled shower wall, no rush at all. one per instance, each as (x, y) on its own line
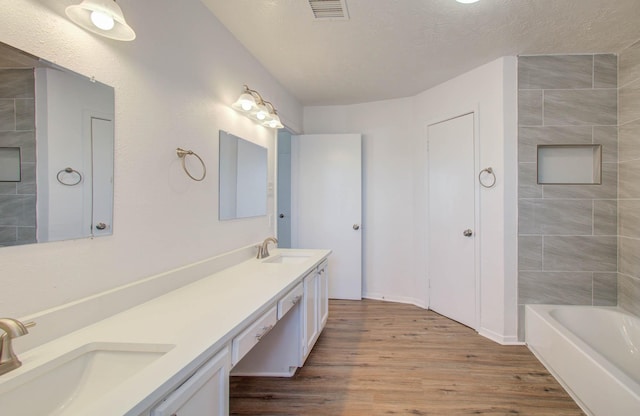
(567, 234)
(17, 129)
(629, 180)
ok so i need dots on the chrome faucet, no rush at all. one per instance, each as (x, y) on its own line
(263, 250)
(12, 329)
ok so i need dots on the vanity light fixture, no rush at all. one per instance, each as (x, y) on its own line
(251, 104)
(103, 17)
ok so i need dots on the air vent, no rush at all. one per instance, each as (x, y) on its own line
(329, 9)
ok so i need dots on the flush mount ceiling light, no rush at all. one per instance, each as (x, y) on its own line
(103, 17)
(467, 1)
(251, 104)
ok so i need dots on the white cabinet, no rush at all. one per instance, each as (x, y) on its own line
(323, 286)
(244, 342)
(205, 393)
(316, 307)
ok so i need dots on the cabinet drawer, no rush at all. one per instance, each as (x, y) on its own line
(252, 335)
(290, 300)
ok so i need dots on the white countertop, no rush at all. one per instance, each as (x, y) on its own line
(198, 320)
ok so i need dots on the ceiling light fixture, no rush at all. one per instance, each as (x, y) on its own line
(103, 17)
(251, 104)
(467, 1)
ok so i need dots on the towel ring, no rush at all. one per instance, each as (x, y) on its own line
(489, 170)
(69, 170)
(182, 154)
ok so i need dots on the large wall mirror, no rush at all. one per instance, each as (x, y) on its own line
(243, 178)
(57, 136)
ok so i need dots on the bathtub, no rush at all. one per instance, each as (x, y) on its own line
(594, 352)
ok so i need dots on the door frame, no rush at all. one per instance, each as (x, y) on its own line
(446, 116)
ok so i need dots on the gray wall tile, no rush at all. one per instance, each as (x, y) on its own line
(556, 216)
(25, 140)
(16, 83)
(27, 184)
(607, 136)
(26, 235)
(564, 288)
(530, 108)
(629, 141)
(25, 114)
(8, 234)
(605, 217)
(630, 102)
(19, 210)
(530, 137)
(629, 217)
(7, 188)
(582, 253)
(530, 253)
(605, 289)
(527, 181)
(7, 115)
(555, 71)
(581, 107)
(607, 190)
(629, 249)
(629, 179)
(629, 64)
(605, 71)
(629, 294)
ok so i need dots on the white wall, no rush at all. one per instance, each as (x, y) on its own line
(173, 88)
(395, 199)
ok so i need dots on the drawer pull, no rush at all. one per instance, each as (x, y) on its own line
(264, 332)
(296, 299)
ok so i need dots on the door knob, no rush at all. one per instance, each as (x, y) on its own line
(281, 215)
(356, 227)
(101, 226)
(467, 233)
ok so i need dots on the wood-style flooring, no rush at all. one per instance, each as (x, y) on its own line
(381, 358)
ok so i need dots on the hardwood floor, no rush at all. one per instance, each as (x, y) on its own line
(379, 358)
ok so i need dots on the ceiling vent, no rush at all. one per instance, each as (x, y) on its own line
(329, 9)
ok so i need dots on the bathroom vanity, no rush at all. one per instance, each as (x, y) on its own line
(173, 354)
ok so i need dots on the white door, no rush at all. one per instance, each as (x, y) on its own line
(102, 174)
(326, 205)
(451, 260)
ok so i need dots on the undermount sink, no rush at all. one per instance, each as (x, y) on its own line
(68, 383)
(290, 258)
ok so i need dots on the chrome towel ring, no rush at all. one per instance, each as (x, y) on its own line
(182, 154)
(72, 171)
(489, 171)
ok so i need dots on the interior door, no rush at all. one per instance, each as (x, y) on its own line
(326, 190)
(451, 239)
(102, 174)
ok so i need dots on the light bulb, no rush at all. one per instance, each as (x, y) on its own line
(102, 20)
(246, 105)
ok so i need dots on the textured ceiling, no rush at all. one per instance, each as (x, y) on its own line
(396, 48)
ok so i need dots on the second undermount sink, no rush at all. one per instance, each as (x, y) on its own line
(70, 382)
(289, 257)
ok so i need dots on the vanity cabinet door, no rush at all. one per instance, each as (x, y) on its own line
(310, 320)
(323, 292)
(206, 393)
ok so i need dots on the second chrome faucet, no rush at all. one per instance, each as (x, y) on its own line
(263, 249)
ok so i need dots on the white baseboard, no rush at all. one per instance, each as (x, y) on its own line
(499, 338)
(399, 299)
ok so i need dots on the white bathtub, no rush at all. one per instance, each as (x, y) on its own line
(594, 352)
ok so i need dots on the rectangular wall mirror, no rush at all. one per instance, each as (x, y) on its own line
(243, 178)
(63, 125)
